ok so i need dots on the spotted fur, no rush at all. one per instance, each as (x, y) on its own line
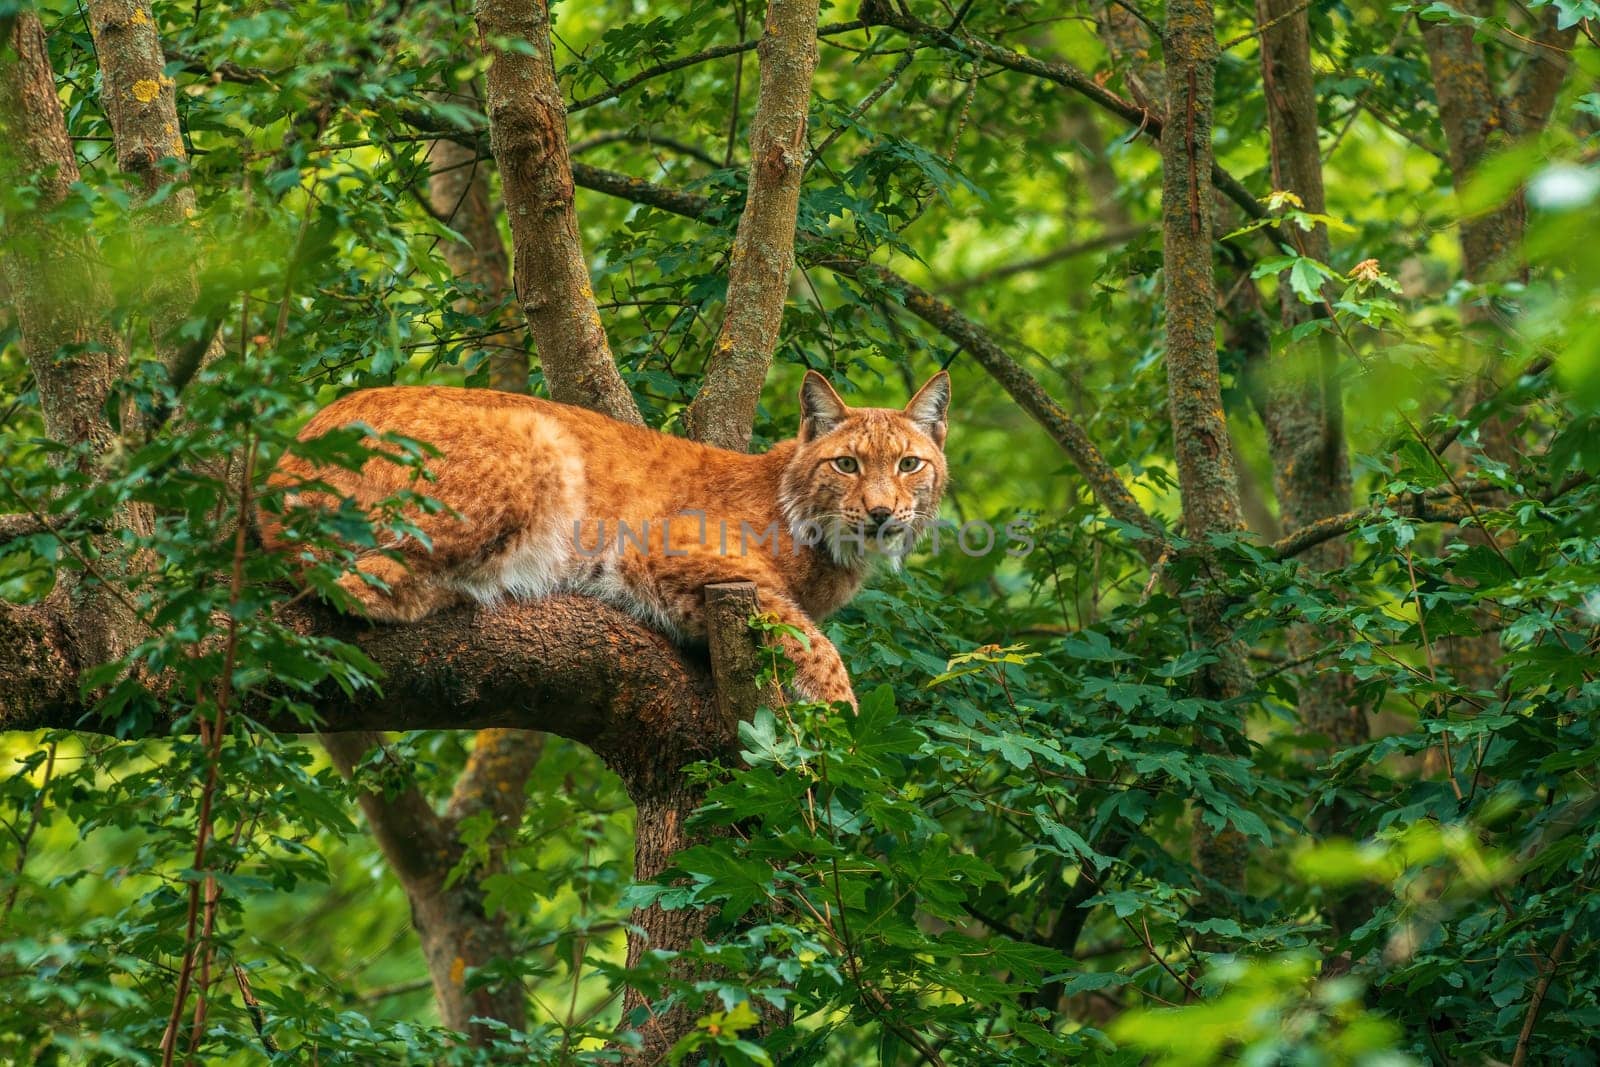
(537, 495)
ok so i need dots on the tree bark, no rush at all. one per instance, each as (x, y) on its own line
(140, 101)
(664, 807)
(1471, 123)
(1199, 427)
(1206, 477)
(53, 271)
(763, 248)
(58, 289)
(457, 935)
(528, 135)
(566, 665)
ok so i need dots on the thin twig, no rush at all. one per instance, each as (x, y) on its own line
(717, 52)
(213, 738)
(1525, 1038)
(252, 1006)
(1264, 27)
(861, 109)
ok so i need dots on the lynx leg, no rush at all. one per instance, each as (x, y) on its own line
(819, 673)
(409, 598)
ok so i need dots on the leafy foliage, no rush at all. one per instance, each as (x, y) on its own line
(994, 862)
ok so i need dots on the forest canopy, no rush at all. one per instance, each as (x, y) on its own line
(1274, 334)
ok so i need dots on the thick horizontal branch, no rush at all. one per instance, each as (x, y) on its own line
(567, 665)
(15, 527)
(639, 191)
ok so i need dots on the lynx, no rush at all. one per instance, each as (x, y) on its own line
(542, 498)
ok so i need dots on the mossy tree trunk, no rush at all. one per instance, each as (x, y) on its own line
(1206, 477)
(59, 292)
(763, 248)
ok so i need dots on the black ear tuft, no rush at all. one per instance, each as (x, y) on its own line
(820, 407)
(930, 406)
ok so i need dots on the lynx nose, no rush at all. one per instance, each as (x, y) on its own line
(879, 515)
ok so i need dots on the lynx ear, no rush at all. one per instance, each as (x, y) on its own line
(820, 407)
(927, 409)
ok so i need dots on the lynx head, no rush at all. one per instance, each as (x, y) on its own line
(866, 479)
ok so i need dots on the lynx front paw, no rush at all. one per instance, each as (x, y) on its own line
(829, 686)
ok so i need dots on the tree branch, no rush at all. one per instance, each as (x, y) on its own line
(978, 342)
(880, 13)
(715, 52)
(646, 137)
(1112, 237)
(1330, 527)
(724, 410)
(1525, 1038)
(422, 848)
(567, 665)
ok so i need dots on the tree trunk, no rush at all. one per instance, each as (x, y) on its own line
(1200, 432)
(1470, 113)
(1206, 477)
(1302, 408)
(140, 101)
(763, 249)
(528, 134)
(62, 303)
(1471, 124)
(458, 193)
(457, 935)
(665, 805)
(1303, 411)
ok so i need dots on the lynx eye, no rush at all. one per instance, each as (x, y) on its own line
(846, 465)
(910, 464)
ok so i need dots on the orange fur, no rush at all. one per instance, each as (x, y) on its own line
(535, 492)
